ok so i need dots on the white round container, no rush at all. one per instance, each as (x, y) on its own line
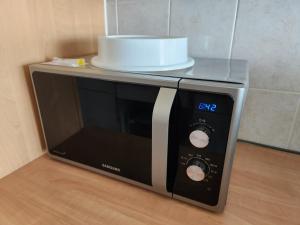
(142, 53)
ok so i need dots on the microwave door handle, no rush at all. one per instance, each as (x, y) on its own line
(160, 138)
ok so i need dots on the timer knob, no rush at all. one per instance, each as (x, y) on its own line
(199, 138)
(196, 169)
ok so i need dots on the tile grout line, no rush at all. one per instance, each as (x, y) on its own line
(117, 17)
(276, 91)
(169, 17)
(234, 28)
(293, 124)
(105, 18)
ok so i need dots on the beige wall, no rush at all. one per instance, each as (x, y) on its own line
(33, 31)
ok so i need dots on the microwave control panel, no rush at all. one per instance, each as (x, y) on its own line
(203, 125)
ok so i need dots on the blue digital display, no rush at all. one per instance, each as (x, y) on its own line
(207, 107)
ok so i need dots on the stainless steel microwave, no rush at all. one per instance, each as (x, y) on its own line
(170, 132)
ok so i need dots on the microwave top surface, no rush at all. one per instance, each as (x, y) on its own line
(209, 69)
(231, 71)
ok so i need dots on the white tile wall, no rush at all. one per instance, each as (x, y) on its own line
(294, 143)
(268, 117)
(143, 17)
(208, 24)
(265, 32)
(268, 35)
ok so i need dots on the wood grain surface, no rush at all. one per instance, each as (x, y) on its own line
(264, 190)
(34, 31)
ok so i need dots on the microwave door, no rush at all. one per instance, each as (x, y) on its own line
(104, 125)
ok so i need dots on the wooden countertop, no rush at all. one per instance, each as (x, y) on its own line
(264, 189)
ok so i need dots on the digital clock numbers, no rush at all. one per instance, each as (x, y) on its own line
(207, 107)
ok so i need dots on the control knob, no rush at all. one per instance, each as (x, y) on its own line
(197, 169)
(200, 137)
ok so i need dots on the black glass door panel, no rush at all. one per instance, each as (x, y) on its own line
(106, 125)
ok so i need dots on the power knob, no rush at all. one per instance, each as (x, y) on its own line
(197, 169)
(200, 137)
